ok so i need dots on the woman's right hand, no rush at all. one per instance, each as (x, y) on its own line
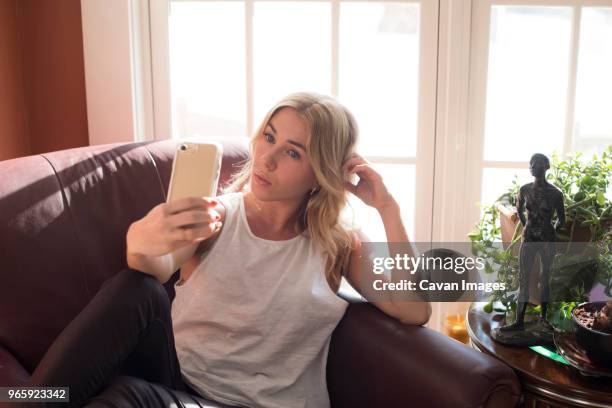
(170, 226)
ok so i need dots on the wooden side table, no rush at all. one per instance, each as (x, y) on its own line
(545, 382)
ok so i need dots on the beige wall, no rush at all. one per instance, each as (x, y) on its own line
(42, 85)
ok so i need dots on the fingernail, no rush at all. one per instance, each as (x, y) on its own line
(213, 202)
(218, 224)
(218, 217)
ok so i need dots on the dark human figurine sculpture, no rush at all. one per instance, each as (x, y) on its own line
(541, 199)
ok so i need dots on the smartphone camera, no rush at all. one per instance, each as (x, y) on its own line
(183, 147)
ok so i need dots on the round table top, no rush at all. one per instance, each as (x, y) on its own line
(533, 368)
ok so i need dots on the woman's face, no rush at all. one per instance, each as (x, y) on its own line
(280, 159)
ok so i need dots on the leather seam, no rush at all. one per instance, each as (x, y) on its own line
(74, 227)
(161, 185)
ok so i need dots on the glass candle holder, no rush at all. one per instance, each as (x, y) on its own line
(454, 326)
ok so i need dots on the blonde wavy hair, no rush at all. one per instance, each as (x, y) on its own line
(333, 139)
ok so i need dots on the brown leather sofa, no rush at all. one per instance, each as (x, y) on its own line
(63, 219)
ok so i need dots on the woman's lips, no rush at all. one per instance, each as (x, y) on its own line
(261, 180)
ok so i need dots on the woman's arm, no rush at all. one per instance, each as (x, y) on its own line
(407, 312)
(170, 234)
(162, 267)
(372, 191)
(389, 301)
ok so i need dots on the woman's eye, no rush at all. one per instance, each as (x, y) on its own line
(270, 139)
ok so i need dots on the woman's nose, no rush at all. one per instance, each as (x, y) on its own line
(270, 161)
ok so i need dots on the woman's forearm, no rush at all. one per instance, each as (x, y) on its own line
(411, 312)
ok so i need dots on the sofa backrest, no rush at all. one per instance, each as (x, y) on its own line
(63, 220)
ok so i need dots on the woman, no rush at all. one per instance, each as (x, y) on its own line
(260, 267)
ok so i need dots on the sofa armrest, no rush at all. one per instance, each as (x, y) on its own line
(374, 360)
(12, 372)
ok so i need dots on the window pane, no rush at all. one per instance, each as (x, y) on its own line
(291, 51)
(400, 180)
(378, 74)
(527, 81)
(592, 120)
(207, 75)
(496, 182)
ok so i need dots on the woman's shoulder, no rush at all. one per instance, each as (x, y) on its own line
(230, 196)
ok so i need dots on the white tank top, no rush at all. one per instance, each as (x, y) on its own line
(253, 322)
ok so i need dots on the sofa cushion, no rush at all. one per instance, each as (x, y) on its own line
(43, 285)
(63, 220)
(106, 189)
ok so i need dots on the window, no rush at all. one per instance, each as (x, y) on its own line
(230, 61)
(452, 98)
(540, 83)
(207, 75)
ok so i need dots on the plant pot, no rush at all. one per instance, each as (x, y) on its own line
(508, 218)
(596, 343)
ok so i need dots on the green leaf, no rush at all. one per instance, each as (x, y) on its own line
(601, 199)
(579, 196)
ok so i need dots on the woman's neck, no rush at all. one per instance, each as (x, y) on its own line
(275, 219)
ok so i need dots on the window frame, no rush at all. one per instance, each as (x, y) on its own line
(476, 164)
(423, 161)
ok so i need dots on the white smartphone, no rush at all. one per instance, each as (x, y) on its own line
(195, 170)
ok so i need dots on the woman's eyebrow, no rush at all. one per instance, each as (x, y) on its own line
(293, 142)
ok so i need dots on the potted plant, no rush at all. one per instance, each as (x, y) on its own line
(497, 235)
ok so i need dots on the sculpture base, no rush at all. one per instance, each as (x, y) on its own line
(535, 333)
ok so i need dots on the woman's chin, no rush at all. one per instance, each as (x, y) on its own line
(259, 192)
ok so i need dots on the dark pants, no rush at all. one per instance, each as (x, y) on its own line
(119, 351)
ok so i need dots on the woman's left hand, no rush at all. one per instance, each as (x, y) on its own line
(370, 188)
